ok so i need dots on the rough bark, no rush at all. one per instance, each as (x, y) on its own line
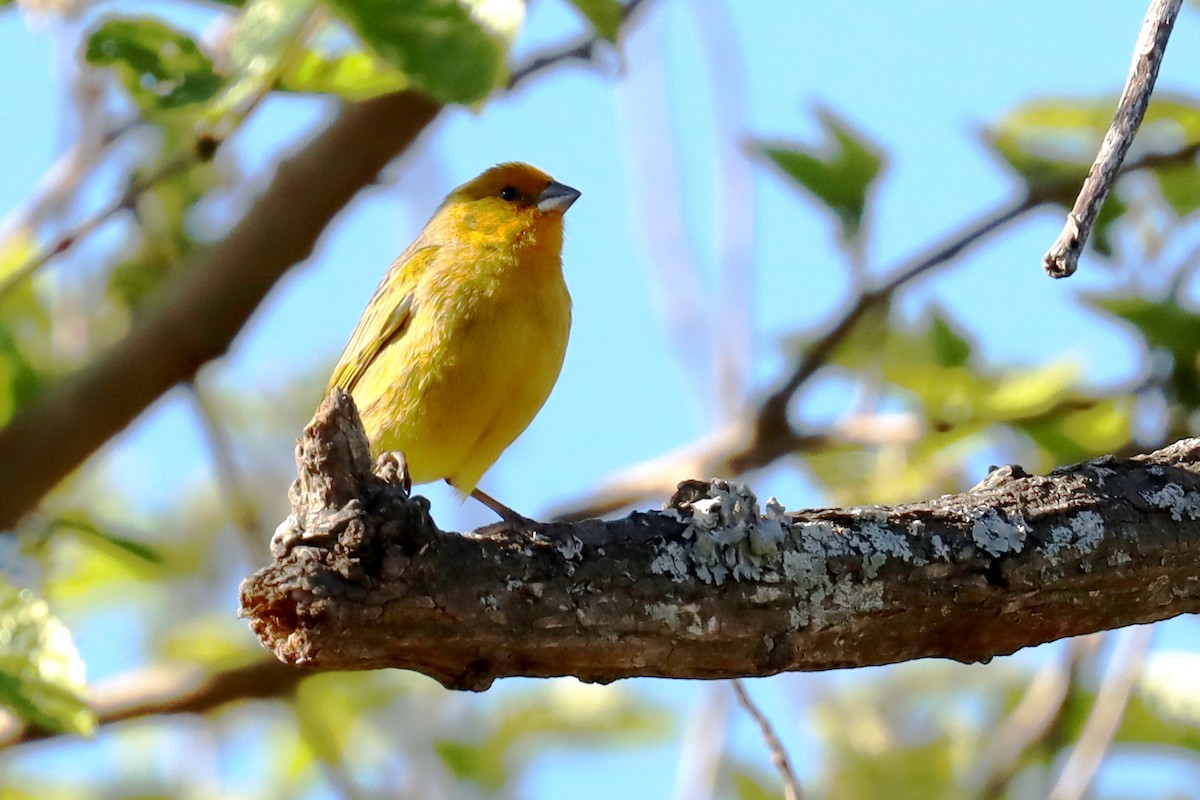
(714, 586)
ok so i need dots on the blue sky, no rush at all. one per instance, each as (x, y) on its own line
(666, 127)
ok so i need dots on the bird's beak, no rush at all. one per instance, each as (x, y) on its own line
(557, 197)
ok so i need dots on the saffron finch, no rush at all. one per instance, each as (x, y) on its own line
(465, 335)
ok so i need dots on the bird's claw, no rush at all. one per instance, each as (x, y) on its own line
(392, 467)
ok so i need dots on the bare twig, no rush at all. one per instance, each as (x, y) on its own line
(241, 508)
(791, 785)
(1101, 726)
(1062, 259)
(1034, 721)
(584, 49)
(125, 202)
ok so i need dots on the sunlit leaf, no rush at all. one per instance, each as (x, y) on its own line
(353, 76)
(161, 68)
(41, 674)
(839, 173)
(1076, 434)
(259, 45)
(437, 44)
(605, 16)
(214, 641)
(1027, 392)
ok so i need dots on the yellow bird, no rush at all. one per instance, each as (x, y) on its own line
(464, 337)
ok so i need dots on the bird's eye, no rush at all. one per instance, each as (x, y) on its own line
(509, 193)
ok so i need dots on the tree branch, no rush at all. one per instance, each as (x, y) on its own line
(1063, 257)
(172, 691)
(712, 588)
(203, 310)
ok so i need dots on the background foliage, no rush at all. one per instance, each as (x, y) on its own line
(928, 367)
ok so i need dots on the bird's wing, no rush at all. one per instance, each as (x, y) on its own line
(385, 320)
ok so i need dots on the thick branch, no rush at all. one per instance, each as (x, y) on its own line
(205, 308)
(711, 588)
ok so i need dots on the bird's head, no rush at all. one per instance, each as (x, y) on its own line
(518, 186)
(510, 202)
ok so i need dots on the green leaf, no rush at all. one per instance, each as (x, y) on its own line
(161, 68)
(437, 44)
(1076, 434)
(260, 44)
(1167, 326)
(353, 76)
(41, 674)
(1180, 187)
(605, 16)
(479, 764)
(122, 544)
(839, 173)
(950, 348)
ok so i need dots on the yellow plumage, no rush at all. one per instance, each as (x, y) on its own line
(464, 338)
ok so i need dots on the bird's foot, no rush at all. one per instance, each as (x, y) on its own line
(518, 521)
(392, 467)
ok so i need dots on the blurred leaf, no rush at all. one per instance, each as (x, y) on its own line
(161, 68)
(839, 173)
(21, 311)
(259, 46)
(41, 674)
(950, 347)
(436, 44)
(1030, 391)
(1051, 144)
(1076, 434)
(861, 346)
(1171, 696)
(751, 784)
(479, 764)
(353, 76)
(1180, 186)
(605, 16)
(563, 713)
(213, 641)
(1165, 325)
(94, 533)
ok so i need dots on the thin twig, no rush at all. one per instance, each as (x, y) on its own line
(242, 509)
(123, 203)
(582, 50)
(168, 690)
(791, 785)
(1034, 722)
(1062, 259)
(1102, 723)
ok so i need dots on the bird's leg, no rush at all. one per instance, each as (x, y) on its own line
(506, 513)
(392, 466)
